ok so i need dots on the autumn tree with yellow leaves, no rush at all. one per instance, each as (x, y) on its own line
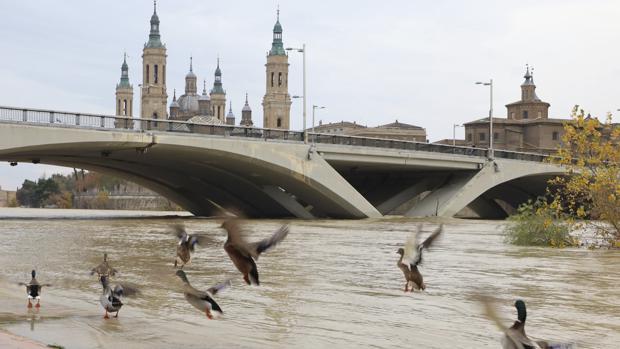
(590, 151)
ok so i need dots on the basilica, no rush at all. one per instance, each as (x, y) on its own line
(207, 107)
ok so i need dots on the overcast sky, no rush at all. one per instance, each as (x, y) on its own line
(368, 61)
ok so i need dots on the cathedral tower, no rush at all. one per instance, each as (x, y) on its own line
(124, 99)
(530, 106)
(154, 96)
(277, 101)
(246, 113)
(218, 96)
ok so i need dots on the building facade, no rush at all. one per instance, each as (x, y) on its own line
(395, 130)
(527, 127)
(277, 101)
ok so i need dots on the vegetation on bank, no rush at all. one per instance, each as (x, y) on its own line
(78, 190)
(590, 151)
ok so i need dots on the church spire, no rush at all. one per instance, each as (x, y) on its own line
(124, 83)
(277, 47)
(217, 82)
(154, 37)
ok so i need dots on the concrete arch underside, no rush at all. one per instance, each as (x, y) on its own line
(206, 175)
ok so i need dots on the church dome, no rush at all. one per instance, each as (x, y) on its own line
(204, 97)
(188, 103)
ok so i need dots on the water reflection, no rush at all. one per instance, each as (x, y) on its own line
(330, 283)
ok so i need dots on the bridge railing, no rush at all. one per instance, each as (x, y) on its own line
(85, 120)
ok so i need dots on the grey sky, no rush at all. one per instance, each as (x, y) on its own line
(369, 61)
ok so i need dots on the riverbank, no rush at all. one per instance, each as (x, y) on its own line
(61, 213)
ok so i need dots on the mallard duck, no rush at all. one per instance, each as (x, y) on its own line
(111, 297)
(104, 268)
(33, 290)
(243, 253)
(202, 301)
(411, 257)
(514, 336)
(186, 244)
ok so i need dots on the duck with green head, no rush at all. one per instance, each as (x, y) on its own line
(111, 297)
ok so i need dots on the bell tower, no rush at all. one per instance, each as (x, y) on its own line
(124, 99)
(277, 101)
(218, 96)
(154, 96)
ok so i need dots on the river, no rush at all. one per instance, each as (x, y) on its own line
(331, 283)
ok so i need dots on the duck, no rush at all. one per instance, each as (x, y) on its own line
(411, 257)
(514, 336)
(244, 254)
(111, 296)
(186, 245)
(104, 268)
(202, 300)
(33, 289)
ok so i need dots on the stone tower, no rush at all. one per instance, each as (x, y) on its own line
(277, 101)
(174, 106)
(154, 96)
(124, 99)
(530, 106)
(218, 96)
(246, 114)
(230, 117)
(204, 101)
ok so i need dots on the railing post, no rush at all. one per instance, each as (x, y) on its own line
(77, 119)
(25, 116)
(52, 117)
(102, 121)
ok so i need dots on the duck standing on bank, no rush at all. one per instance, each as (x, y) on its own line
(201, 300)
(411, 257)
(186, 244)
(111, 297)
(514, 336)
(243, 254)
(33, 289)
(104, 268)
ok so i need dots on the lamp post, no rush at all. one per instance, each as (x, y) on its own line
(454, 126)
(490, 84)
(303, 51)
(314, 108)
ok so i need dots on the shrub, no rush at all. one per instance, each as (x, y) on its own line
(538, 224)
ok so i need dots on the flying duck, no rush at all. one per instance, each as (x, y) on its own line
(104, 268)
(200, 300)
(411, 257)
(186, 244)
(111, 297)
(243, 254)
(33, 290)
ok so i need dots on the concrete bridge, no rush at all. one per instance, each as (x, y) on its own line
(214, 170)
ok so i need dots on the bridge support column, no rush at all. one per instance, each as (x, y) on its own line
(421, 186)
(287, 201)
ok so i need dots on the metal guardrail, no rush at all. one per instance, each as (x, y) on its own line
(85, 120)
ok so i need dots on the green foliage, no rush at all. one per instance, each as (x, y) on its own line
(538, 224)
(37, 194)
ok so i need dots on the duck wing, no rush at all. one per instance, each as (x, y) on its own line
(410, 253)
(178, 229)
(425, 245)
(266, 244)
(126, 290)
(199, 239)
(219, 287)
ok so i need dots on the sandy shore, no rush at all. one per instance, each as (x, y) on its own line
(8, 340)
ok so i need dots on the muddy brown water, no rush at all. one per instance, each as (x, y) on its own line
(329, 284)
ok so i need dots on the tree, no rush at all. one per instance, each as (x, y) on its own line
(590, 151)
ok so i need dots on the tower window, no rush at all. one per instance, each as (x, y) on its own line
(155, 73)
(469, 137)
(279, 79)
(219, 108)
(539, 114)
(279, 122)
(148, 73)
(154, 118)
(125, 107)
(495, 136)
(482, 136)
(272, 77)
(163, 74)
(555, 135)
(525, 114)
(512, 115)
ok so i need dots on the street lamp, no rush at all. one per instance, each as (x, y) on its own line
(303, 51)
(490, 84)
(454, 126)
(314, 107)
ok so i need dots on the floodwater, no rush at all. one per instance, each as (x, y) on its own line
(329, 284)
